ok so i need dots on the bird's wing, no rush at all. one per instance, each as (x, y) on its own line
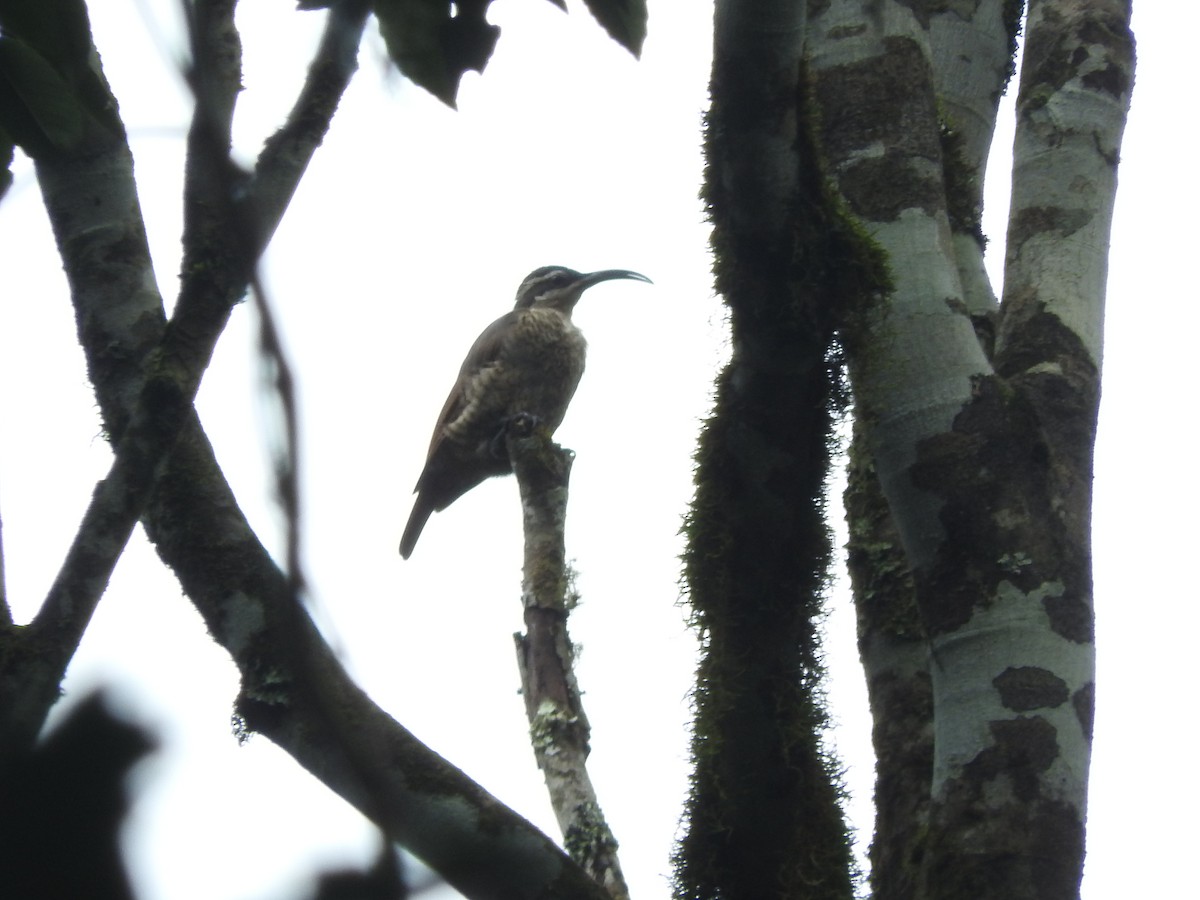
(485, 352)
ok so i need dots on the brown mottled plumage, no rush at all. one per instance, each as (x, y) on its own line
(529, 361)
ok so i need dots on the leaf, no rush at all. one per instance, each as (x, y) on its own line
(58, 29)
(624, 20)
(433, 42)
(59, 32)
(37, 106)
(468, 38)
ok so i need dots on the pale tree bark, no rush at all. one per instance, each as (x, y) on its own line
(984, 458)
(974, 49)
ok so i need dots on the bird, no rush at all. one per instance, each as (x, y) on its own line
(525, 364)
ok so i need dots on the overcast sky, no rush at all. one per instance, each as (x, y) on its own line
(410, 234)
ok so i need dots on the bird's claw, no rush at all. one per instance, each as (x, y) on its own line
(520, 425)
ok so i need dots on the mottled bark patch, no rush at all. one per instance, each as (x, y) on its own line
(1071, 617)
(1111, 79)
(842, 32)
(1023, 688)
(1034, 221)
(883, 187)
(903, 739)
(877, 120)
(1029, 839)
(991, 472)
(1014, 474)
(1056, 850)
(1024, 748)
(1084, 701)
(894, 654)
(919, 9)
(924, 10)
(883, 584)
(1095, 47)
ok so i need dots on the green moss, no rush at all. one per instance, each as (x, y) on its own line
(964, 199)
(763, 815)
(1012, 15)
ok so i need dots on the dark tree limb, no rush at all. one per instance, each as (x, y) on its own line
(90, 236)
(295, 692)
(286, 154)
(144, 370)
(558, 727)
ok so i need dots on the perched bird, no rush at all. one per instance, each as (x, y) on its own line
(527, 362)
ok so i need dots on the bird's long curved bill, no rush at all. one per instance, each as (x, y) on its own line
(611, 275)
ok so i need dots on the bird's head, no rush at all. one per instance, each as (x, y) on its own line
(556, 287)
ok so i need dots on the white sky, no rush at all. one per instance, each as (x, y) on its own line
(410, 233)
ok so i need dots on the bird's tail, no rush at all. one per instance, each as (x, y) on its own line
(416, 522)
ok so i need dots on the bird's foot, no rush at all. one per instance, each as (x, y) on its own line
(520, 424)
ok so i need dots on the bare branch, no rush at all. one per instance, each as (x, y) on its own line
(295, 692)
(545, 656)
(167, 378)
(287, 451)
(49, 642)
(287, 153)
(120, 319)
(282, 162)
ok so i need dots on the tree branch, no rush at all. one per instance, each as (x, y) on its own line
(295, 692)
(286, 154)
(1076, 83)
(293, 689)
(971, 57)
(168, 376)
(120, 320)
(139, 364)
(545, 657)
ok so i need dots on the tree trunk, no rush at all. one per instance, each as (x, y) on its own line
(763, 819)
(983, 453)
